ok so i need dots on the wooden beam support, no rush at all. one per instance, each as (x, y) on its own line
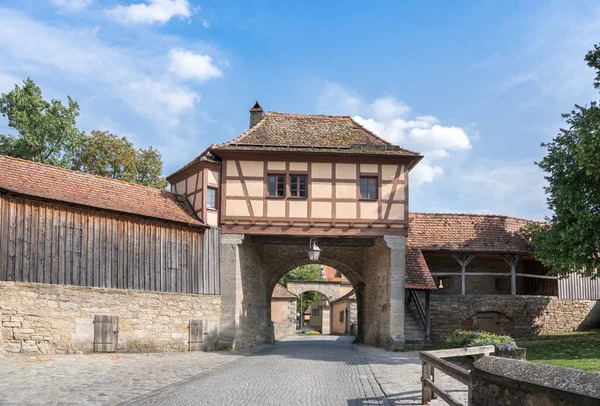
(427, 314)
(463, 262)
(512, 261)
(323, 241)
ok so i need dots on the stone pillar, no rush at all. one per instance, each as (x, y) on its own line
(231, 288)
(396, 292)
(359, 291)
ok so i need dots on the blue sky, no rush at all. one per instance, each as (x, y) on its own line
(475, 86)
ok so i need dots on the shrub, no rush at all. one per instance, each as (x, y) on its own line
(465, 338)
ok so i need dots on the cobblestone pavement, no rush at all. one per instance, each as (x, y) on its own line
(302, 370)
(99, 379)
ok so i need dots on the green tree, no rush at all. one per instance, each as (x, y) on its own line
(46, 131)
(105, 154)
(570, 241)
(311, 272)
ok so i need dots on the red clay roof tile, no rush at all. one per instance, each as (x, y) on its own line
(59, 184)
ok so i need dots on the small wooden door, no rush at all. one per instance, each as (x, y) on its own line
(106, 333)
(196, 335)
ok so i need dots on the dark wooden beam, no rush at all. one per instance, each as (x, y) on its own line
(322, 241)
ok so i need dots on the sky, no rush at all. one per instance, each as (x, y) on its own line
(475, 86)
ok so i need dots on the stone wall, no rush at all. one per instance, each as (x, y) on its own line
(530, 315)
(376, 303)
(58, 319)
(283, 310)
(501, 381)
(282, 330)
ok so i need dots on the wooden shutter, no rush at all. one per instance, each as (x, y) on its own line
(196, 334)
(106, 333)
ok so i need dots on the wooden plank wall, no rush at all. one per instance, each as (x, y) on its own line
(579, 287)
(52, 243)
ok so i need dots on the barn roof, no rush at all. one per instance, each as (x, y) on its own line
(314, 134)
(282, 293)
(67, 186)
(467, 233)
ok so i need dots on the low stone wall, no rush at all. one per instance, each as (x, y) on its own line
(56, 319)
(500, 382)
(282, 330)
(529, 315)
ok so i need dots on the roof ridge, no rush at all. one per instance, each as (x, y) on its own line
(278, 113)
(86, 174)
(472, 215)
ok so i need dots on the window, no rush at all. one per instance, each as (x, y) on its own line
(341, 316)
(211, 198)
(368, 188)
(315, 311)
(297, 186)
(276, 185)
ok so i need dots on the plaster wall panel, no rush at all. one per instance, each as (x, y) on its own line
(212, 218)
(298, 209)
(275, 208)
(234, 188)
(321, 170)
(298, 166)
(191, 183)
(345, 171)
(212, 177)
(257, 207)
(276, 166)
(345, 210)
(345, 191)
(252, 168)
(397, 211)
(231, 168)
(369, 168)
(321, 210)
(237, 208)
(321, 190)
(369, 210)
(256, 188)
(388, 172)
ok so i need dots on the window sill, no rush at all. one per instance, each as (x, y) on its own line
(367, 200)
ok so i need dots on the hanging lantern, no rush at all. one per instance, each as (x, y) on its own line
(314, 252)
(441, 286)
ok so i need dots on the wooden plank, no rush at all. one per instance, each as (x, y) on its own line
(426, 392)
(12, 241)
(146, 256)
(41, 242)
(33, 259)
(96, 250)
(77, 241)
(62, 246)
(526, 275)
(102, 251)
(456, 372)
(55, 245)
(4, 237)
(162, 259)
(89, 250)
(114, 268)
(98, 325)
(460, 352)
(19, 223)
(69, 237)
(121, 255)
(48, 245)
(441, 393)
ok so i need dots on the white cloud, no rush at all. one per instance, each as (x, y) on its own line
(8, 82)
(152, 11)
(80, 57)
(389, 118)
(72, 4)
(188, 65)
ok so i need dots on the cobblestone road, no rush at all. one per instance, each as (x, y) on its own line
(304, 370)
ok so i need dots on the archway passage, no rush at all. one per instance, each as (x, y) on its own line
(251, 266)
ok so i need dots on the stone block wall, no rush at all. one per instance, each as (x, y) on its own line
(282, 330)
(530, 315)
(501, 381)
(376, 304)
(58, 319)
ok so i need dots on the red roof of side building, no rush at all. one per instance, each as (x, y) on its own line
(312, 133)
(58, 184)
(418, 276)
(467, 233)
(282, 293)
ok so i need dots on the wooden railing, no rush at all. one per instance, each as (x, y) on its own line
(435, 359)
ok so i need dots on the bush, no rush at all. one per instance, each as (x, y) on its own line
(465, 338)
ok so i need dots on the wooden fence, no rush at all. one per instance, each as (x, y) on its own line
(435, 359)
(579, 287)
(54, 243)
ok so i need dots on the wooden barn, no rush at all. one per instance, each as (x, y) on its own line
(61, 227)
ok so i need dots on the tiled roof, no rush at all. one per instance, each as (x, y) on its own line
(312, 133)
(50, 182)
(467, 233)
(348, 296)
(417, 271)
(205, 156)
(282, 293)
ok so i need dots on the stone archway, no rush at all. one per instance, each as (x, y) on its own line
(251, 268)
(331, 290)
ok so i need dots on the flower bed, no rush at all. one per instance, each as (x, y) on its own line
(506, 346)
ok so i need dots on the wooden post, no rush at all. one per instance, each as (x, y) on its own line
(426, 393)
(427, 317)
(463, 275)
(512, 261)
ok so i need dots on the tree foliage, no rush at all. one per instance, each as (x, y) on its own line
(309, 272)
(570, 241)
(47, 132)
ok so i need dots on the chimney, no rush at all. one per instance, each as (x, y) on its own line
(256, 114)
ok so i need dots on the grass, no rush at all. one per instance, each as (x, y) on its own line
(580, 350)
